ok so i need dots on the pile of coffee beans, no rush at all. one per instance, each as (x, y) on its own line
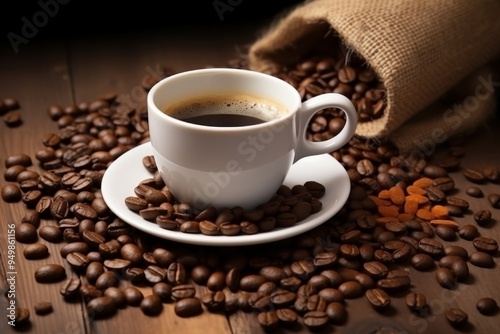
(336, 71)
(400, 214)
(154, 202)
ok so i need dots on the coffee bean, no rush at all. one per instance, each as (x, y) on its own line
(376, 269)
(95, 256)
(50, 273)
(468, 232)
(51, 233)
(12, 172)
(77, 260)
(485, 244)
(200, 274)
(27, 175)
(434, 171)
(31, 217)
(182, 291)
(89, 292)
(83, 211)
(349, 251)
(21, 317)
(416, 302)
(214, 301)
(445, 278)
(107, 279)
(133, 296)
(251, 282)
(155, 274)
(283, 298)
(431, 247)
(287, 316)
(494, 200)
(315, 188)
(487, 306)
(188, 307)
(267, 288)
(351, 289)
(21, 159)
(357, 244)
(226, 228)
(131, 252)
(447, 260)
(316, 283)
(445, 184)
(315, 319)
(151, 305)
(149, 163)
(483, 217)
(347, 74)
(458, 202)
(35, 251)
(378, 298)
(12, 118)
(163, 257)
(268, 320)
(78, 246)
(93, 239)
(59, 208)
(117, 295)
(11, 193)
(259, 301)
(176, 273)
(456, 250)
(26, 233)
(93, 271)
(460, 270)
(164, 291)
(135, 275)
(43, 307)
(101, 307)
(481, 259)
(445, 232)
(336, 312)
(491, 173)
(456, 316)
(351, 237)
(454, 210)
(474, 175)
(272, 273)
(208, 227)
(435, 194)
(474, 192)
(394, 283)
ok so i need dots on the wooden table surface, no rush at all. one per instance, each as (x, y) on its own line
(66, 72)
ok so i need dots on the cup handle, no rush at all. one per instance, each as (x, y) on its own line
(307, 110)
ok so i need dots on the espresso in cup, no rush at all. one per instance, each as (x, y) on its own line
(225, 110)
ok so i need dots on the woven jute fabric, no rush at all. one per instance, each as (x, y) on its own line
(422, 51)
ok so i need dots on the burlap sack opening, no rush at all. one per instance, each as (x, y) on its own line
(421, 51)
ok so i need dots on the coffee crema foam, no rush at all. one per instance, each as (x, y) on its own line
(231, 104)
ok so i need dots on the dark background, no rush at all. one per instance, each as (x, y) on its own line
(73, 18)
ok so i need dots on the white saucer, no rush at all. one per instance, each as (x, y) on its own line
(127, 171)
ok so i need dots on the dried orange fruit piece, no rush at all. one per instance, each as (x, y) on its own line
(423, 182)
(397, 195)
(446, 222)
(440, 211)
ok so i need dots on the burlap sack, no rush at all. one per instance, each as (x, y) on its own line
(429, 54)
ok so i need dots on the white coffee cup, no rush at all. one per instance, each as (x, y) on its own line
(243, 166)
